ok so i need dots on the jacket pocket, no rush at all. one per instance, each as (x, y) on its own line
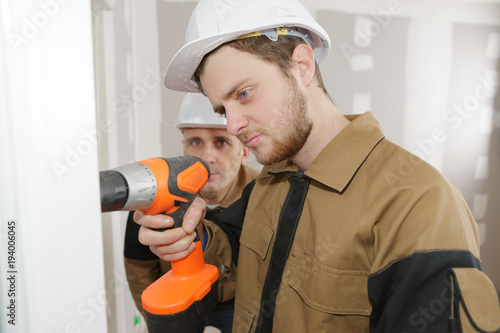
(341, 292)
(476, 307)
(256, 235)
(243, 320)
(328, 297)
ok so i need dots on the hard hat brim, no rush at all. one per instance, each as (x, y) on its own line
(196, 125)
(180, 71)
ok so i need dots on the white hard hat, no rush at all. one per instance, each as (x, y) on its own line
(214, 22)
(197, 111)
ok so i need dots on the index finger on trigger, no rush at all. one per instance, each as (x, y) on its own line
(153, 221)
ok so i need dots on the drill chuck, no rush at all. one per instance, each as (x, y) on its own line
(114, 191)
(130, 187)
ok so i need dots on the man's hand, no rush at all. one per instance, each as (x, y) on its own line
(171, 244)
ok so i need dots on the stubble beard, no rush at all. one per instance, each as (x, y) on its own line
(290, 134)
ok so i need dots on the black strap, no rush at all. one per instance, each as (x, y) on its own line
(287, 225)
(212, 212)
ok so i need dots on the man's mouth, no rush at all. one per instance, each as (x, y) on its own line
(214, 173)
(253, 140)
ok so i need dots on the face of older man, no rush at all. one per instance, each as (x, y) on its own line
(222, 152)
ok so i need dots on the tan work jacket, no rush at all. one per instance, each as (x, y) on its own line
(141, 273)
(369, 239)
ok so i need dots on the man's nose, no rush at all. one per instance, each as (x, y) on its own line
(237, 122)
(209, 155)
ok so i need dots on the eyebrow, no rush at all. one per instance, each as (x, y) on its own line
(222, 137)
(232, 90)
(193, 138)
(217, 137)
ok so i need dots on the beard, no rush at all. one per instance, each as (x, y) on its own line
(291, 132)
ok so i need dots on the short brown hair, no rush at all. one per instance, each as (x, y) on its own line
(276, 52)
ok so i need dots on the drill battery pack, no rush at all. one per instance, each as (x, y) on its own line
(180, 299)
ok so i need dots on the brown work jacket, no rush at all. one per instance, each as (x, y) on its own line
(370, 238)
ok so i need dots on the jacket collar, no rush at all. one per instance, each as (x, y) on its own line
(245, 176)
(338, 162)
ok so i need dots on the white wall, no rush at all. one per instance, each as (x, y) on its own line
(48, 170)
(125, 84)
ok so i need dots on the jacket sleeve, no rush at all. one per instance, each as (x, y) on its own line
(435, 291)
(427, 276)
(140, 274)
(225, 229)
(223, 240)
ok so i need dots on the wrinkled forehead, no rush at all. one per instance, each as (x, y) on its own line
(206, 133)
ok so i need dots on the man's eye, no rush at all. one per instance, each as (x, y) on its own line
(244, 94)
(195, 143)
(222, 142)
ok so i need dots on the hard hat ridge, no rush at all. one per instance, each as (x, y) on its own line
(215, 22)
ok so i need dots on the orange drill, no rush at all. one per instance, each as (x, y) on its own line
(181, 298)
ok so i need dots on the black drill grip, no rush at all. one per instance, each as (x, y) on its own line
(178, 216)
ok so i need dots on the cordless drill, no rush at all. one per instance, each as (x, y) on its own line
(180, 299)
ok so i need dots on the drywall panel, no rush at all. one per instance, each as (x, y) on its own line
(172, 23)
(472, 145)
(50, 227)
(367, 63)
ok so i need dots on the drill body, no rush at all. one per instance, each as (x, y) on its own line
(181, 298)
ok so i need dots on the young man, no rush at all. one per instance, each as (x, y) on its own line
(337, 234)
(205, 135)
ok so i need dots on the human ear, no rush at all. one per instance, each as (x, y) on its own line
(245, 153)
(303, 56)
(184, 146)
